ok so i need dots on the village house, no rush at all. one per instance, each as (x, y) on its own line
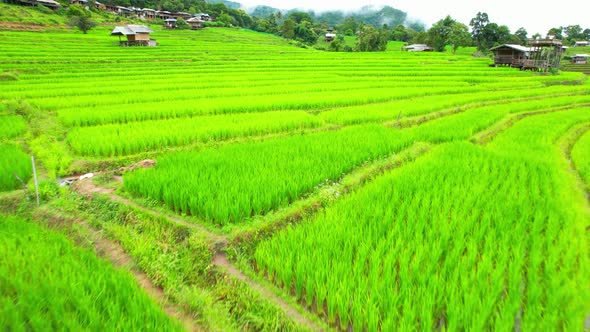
(136, 35)
(148, 13)
(330, 36)
(580, 59)
(182, 15)
(124, 11)
(111, 8)
(195, 23)
(47, 3)
(170, 23)
(540, 55)
(100, 5)
(581, 43)
(163, 14)
(510, 55)
(79, 2)
(418, 48)
(203, 17)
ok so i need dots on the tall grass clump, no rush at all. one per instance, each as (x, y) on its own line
(14, 162)
(46, 283)
(11, 126)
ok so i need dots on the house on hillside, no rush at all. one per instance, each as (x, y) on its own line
(581, 43)
(418, 48)
(100, 5)
(136, 35)
(124, 11)
(148, 13)
(510, 55)
(195, 23)
(47, 3)
(182, 15)
(170, 23)
(204, 17)
(163, 14)
(330, 36)
(580, 59)
(111, 8)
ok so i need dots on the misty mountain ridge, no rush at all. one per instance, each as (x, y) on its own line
(373, 15)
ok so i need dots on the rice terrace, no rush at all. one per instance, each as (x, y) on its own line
(197, 167)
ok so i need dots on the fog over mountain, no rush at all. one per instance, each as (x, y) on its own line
(532, 15)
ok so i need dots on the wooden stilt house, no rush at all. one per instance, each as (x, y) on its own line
(170, 23)
(580, 59)
(545, 54)
(510, 55)
(136, 35)
(195, 23)
(540, 55)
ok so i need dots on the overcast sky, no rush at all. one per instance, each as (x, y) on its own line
(534, 16)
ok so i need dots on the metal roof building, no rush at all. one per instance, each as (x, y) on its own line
(137, 35)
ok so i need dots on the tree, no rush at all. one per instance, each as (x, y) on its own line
(172, 5)
(370, 39)
(478, 25)
(337, 44)
(573, 32)
(272, 27)
(439, 33)
(77, 10)
(459, 36)
(260, 25)
(181, 24)
(299, 17)
(521, 34)
(288, 29)
(349, 26)
(400, 33)
(494, 34)
(305, 32)
(502, 36)
(420, 38)
(224, 19)
(556, 32)
(84, 23)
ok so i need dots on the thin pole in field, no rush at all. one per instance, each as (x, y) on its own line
(35, 178)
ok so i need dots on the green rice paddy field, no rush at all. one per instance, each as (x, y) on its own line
(485, 227)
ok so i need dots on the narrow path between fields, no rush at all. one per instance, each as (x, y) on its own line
(115, 253)
(487, 135)
(567, 144)
(88, 188)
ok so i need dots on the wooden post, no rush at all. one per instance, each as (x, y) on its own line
(35, 178)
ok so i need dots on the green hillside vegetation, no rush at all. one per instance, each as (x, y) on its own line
(567, 65)
(38, 16)
(43, 18)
